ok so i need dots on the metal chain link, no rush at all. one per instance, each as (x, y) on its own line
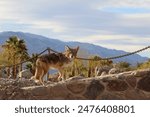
(49, 49)
(116, 57)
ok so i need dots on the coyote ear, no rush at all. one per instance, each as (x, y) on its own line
(67, 48)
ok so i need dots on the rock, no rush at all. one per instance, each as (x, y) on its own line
(135, 95)
(117, 85)
(94, 89)
(100, 70)
(2, 93)
(131, 81)
(38, 91)
(114, 71)
(58, 91)
(125, 85)
(75, 78)
(103, 73)
(140, 72)
(26, 73)
(144, 83)
(76, 87)
(111, 96)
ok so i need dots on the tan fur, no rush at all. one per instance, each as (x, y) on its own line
(54, 60)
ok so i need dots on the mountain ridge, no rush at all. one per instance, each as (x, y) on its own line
(37, 43)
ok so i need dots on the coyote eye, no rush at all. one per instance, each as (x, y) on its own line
(71, 56)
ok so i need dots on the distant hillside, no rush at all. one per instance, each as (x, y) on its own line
(37, 43)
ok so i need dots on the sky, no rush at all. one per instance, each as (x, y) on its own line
(115, 24)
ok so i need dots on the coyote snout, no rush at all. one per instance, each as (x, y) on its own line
(54, 60)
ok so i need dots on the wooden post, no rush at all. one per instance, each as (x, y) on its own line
(47, 75)
(49, 51)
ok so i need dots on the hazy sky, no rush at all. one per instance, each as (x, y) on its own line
(117, 24)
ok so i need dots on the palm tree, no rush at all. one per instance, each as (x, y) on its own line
(16, 51)
(21, 52)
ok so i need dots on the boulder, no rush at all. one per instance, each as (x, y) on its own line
(125, 85)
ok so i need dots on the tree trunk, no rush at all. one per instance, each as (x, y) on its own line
(20, 67)
(89, 72)
(14, 67)
(8, 72)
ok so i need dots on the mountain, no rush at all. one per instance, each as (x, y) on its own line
(37, 43)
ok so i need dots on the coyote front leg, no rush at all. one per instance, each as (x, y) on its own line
(60, 75)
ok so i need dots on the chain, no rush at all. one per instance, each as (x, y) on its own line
(116, 57)
(2, 67)
(49, 49)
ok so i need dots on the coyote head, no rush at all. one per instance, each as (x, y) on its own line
(71, 52)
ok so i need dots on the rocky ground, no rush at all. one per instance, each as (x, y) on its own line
(126, 85)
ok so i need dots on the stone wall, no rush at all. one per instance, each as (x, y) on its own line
(126, 85)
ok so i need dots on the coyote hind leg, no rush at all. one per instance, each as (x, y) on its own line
(42, 75)
(38, 74)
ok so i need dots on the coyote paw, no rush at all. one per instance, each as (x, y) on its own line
(61, 79)
(37, 81)
(32, 78)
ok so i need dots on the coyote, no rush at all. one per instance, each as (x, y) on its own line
(54, 61)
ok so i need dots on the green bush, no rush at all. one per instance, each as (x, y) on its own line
(143, 65)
